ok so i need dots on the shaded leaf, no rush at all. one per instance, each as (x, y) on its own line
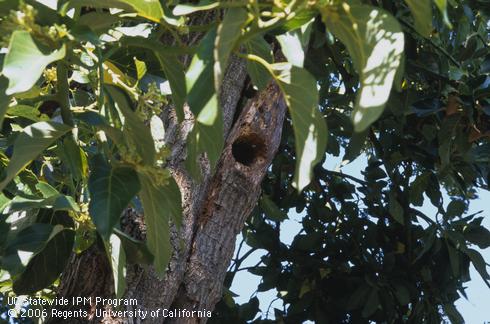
(111, 190)
(29, 144)
(422, 13)
(45, 267)
(160, 204)
(258, 73)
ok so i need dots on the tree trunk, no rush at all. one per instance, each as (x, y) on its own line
(214, 212)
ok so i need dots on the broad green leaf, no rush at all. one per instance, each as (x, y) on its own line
(160, 204)
(27, 112)
(137, 134)
(136, 251)
(4, 99)
(186, 9)
(454, 315)
(140, 68)
(479, 263)
(456, 208)
(74, 158)
(442, 6)
(396, 210)
(375, 42)
(271, 210)
(25, 61)
(422, 13)
(29, 144)
(453, 258)
(149, 9)
(227, 36)
(295, 43)
(117, 259)
(26, 244)
(478, 235)
(207, 133)
(372, 303)
(46, 266)
(56, 202)
(99, 22)
(98, 121)
(174, 71)
(310, 130)
(258, 73)
(111, 189)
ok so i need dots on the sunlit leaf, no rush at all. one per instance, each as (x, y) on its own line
(117, 259)
(26, 61)
(207, 133)
(150, 9)
(227, 35)
(310, 129)
(375, 42)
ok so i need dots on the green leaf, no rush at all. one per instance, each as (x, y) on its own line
(136, 251)
(442, 6)
(295, 43)
(25, 61)
(396, 210)
(310, 130)
(271, 210)
(453, 314)
(372, 303)
(111, 190)
(479, 263)
(186, 9)
(375, 42)
(29, 144)
(149, 9)
(117, 259)
(140, 68)
(74, 157)
(46, 266)
(453, 259)
(138, 135)
(228, 33)
(27, 112)
(4, 99)
(207, 133)
(422, 13)
(455, 208)
(257, 72)
(160, 204)
(174, 71)
(478, 235)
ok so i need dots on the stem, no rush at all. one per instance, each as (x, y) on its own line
(64, 93)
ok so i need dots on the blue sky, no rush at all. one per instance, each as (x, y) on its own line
(475, 310)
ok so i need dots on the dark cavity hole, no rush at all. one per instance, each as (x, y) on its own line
(248, 149)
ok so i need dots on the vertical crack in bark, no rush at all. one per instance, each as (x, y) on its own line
(233, 193)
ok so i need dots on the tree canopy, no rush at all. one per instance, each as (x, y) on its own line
(403, 83)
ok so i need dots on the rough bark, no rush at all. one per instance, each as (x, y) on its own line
(214, 213)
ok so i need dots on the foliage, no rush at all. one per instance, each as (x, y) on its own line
(81, 81)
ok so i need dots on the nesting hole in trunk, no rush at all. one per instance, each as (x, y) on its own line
(248, 149)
